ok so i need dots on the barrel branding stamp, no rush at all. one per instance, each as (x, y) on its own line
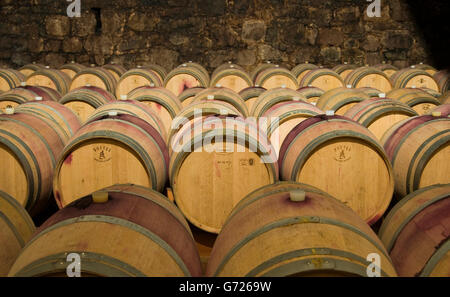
(342, 153)
(102, 153)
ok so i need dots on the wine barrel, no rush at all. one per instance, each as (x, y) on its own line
(58, 116)
(225, 66)
(284, 116)
(388, 69)
(413, 77)
(84, 100)
(301, 70)
(184, 77)
(428, 68)
(261, 67)
(10, 79)
(112, 150)
(47, 94)
(50, 78)
(293, 229)
(369, 77)
(379, 114)
(276, 77)
(29, 148)
(162, 101)
(433, 93)
(322, 78)
(443, 109)
(194, 114)
(340, 99)
(417, 99)
(239, 161)
(14, 97)
(135, 78)
(96, 77)
(188, 95)
(20, 95)
(16, 229)
(198, 67)
(273, 96)
(72, 68)
(28, 69)
(418, 149)
(159, 70)
(223, 94)
(131, 107)
(415, 233)
(116, 70)
(312, 94)
(136, 232)
(343, 158)
(250, 95)
(371, 92)
(344, 69)
(442, 78)
(231, 76)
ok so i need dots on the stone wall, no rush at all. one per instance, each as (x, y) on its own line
(210, 32)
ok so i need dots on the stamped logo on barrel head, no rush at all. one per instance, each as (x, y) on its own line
(342, 153)
(102, 153)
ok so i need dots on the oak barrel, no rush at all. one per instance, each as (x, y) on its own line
(301, 70)
(51, 78)
(223, 94)
(282, 117)
(442, 78)
(417, 99)
(343, 158)
(10, 79)
(340, 99)
(225, 164)
(188, 95)
(369, 77)
(276, 77)
(416, 233)
(419, 149)
(273, 96)
(388, 69)
(413, 77)
(30, 68)
(72, 68)
(60, 117)
(184, 77)
(16, 229)
(322, 78)
(293, 229)
(116, 70)
(131, 107)
(135, 232)
(250, 95)
(161, 100)
(84, 100)
(96, 77)
(29, 148)
(231, 76)
(135, 78)
(108, 151)
(312, 94)
(344, 69)
(379, 114)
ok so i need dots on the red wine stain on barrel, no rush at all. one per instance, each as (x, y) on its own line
(58, 199)
(218, 174)
(185, 84)
(68, 160)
